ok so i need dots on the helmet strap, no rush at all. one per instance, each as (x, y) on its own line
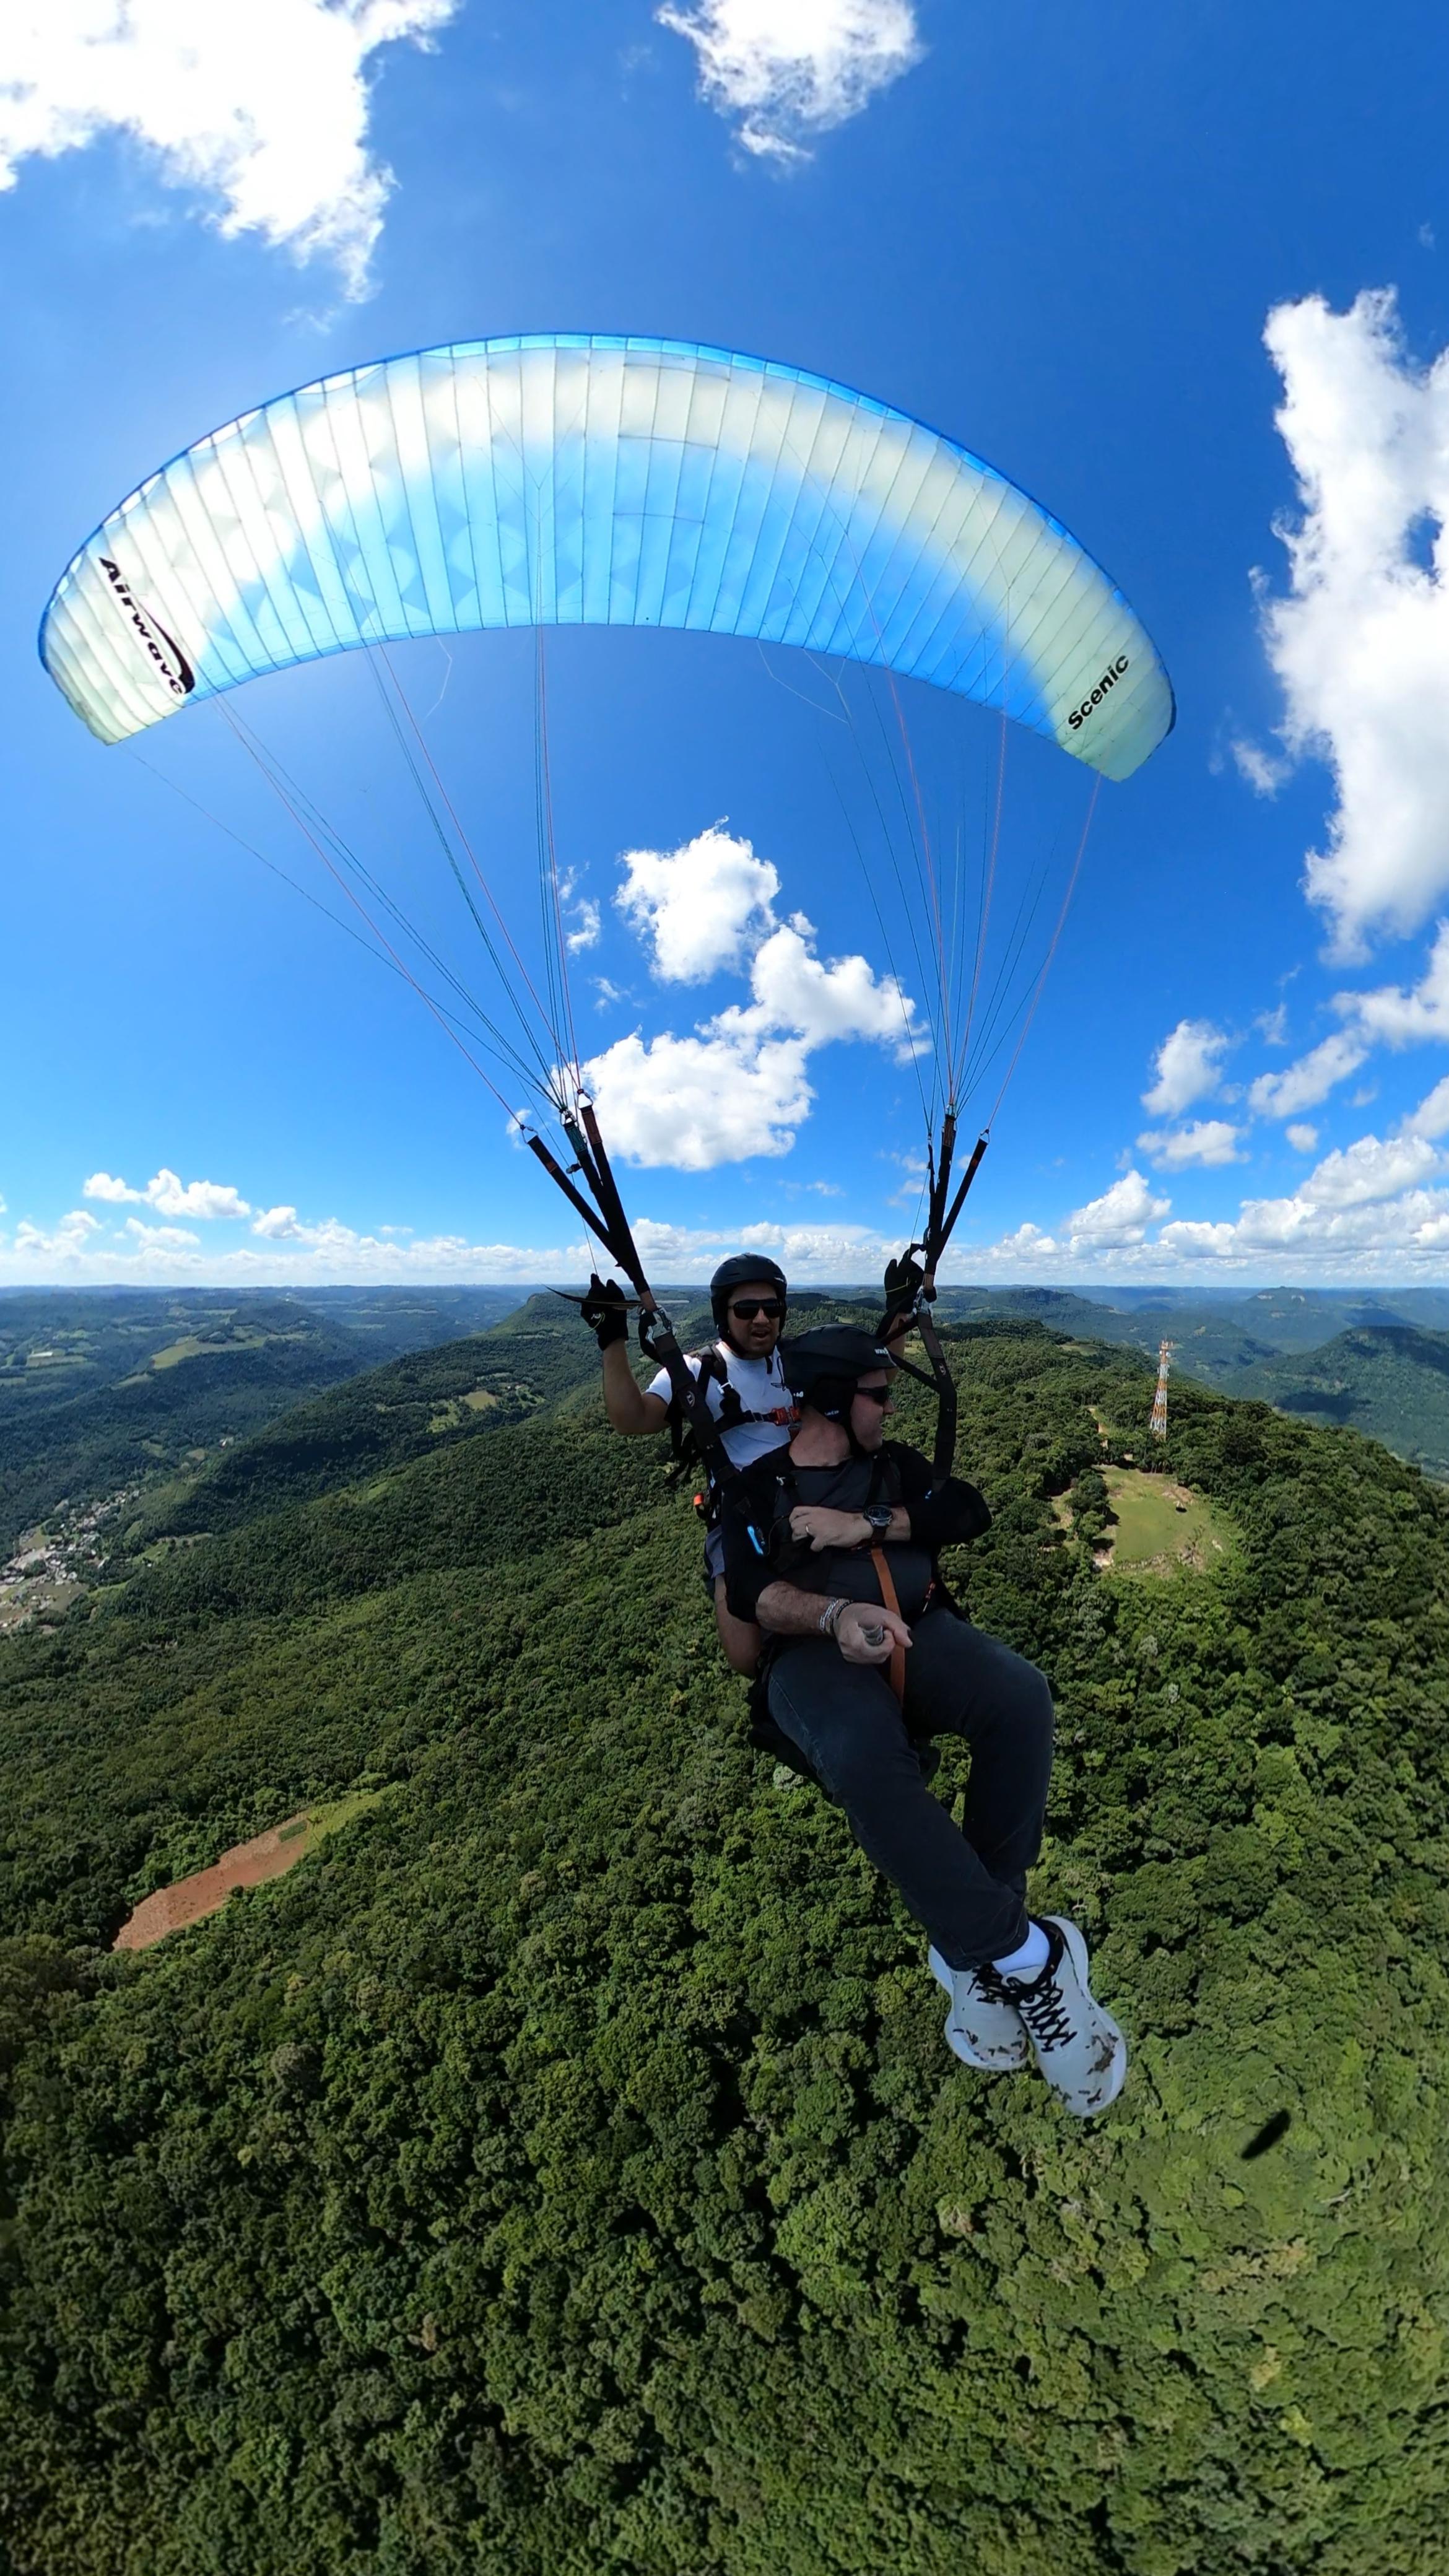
(839, 1392)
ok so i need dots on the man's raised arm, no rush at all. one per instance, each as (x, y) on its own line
(628, 1407)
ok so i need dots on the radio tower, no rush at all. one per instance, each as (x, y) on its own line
(1158, 1424)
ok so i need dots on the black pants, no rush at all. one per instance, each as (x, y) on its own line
(967, 1886)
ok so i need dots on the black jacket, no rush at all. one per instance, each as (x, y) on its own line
(759, 1548)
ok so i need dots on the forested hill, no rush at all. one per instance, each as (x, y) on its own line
(427, 1401)
(1333, 1358)
(1390, 1381)
(562, 2168)
(108, 1389)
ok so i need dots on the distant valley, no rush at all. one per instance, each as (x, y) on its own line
(124, 1394)
(102, 1389)
(1378, 1365)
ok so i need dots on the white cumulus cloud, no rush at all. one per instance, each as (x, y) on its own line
(142, 1233)
(1368, 1170)
(1360, 643)
(1400, 1017)
(698, 1101)
(170, 1195)
(1197, 1237)
(787, 69)
(1363, 1212)
(1206, 1141)
(1431, 1118)
(589, 927)
(1304, 1084)
(301, 1252)
(208, 1199)
(1304, 1139)
(794, 989)
(1120, 1216)
(1314, 1238)
(738, 1085)
(1029, 1243)
(701, 906)
(260, 105)
(1186, 1067)
(65, 1242)
(1376, 1210)
(1265, 771)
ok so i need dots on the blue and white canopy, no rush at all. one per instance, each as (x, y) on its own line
(574, 480)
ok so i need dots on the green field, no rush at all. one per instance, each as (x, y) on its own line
(1162, 1528)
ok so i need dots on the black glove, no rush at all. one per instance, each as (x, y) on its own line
(904, 1280)
(605, 1311)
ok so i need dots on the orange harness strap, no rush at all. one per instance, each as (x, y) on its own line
(890, 1602)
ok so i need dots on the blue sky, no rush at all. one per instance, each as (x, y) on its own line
(1058, 236)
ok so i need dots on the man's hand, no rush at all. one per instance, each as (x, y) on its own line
(866, 1634)
(905, 1277)
(605, 1311)
(828, 1529)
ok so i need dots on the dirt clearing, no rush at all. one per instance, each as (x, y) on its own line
(245, 1865)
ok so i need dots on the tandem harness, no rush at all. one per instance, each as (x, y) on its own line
(686, 1450)
(765, 1735)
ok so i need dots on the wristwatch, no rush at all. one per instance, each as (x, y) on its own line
(880, 1516)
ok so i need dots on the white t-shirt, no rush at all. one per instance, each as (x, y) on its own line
(760, 1386)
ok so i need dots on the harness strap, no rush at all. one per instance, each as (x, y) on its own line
(733, 1410)
(890, 1602)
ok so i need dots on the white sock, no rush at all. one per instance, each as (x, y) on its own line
(1028, 1962)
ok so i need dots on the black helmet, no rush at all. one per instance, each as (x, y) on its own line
(734, 1273)
(823, 1367)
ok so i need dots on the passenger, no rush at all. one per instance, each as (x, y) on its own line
(830, 1544)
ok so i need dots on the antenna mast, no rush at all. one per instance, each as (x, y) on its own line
(1158, 1424)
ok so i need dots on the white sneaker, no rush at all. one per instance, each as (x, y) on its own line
(983, 2030)
(1079, 2047)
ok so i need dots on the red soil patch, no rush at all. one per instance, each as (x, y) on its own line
(245, 1865)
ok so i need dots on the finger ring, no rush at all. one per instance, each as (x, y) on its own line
(873, 1636)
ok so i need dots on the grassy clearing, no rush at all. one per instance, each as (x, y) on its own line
(188, 1348)
(224, 1343)
(196, 1346)
(453, 1412)
(1161, 1528)
(329, 1819)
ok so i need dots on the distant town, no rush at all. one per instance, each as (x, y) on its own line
(53, 1566)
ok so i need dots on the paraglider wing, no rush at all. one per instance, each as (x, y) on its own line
(593, 481)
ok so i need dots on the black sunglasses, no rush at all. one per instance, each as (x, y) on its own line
(750, 1307)
(875, 1394)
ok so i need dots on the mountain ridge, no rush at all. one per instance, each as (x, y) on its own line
(1389, 1382)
